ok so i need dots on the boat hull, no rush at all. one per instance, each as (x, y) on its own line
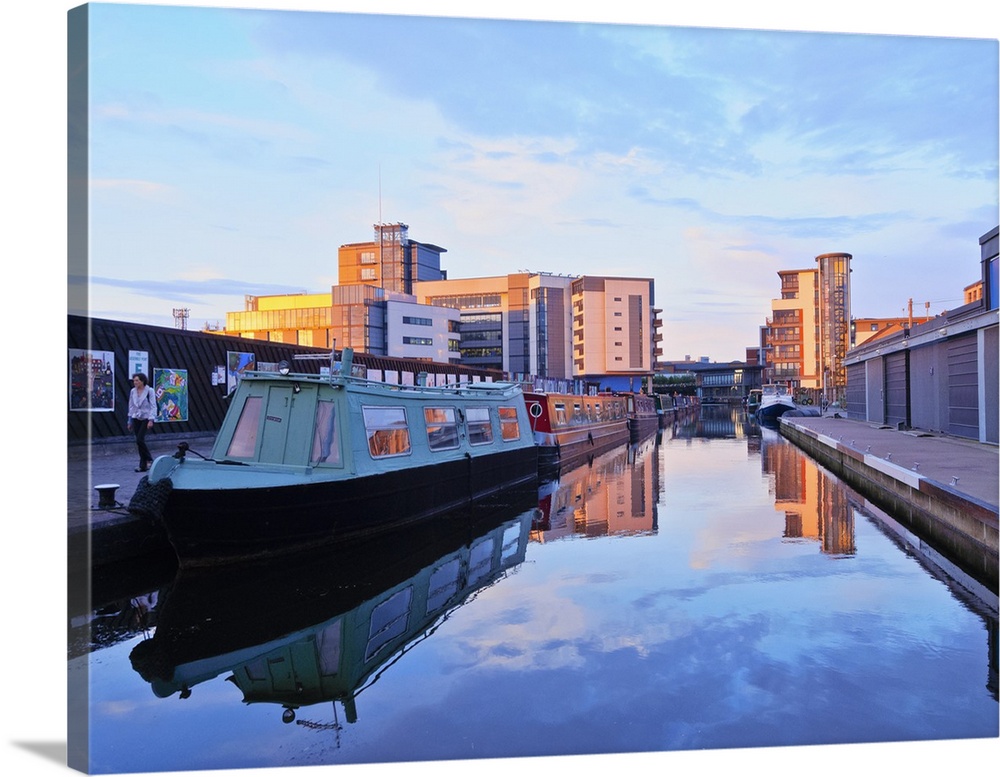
(771, 413)
(641, 427)
(568, 448)
(245, 524)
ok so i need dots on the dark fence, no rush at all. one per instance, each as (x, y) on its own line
(196, 367)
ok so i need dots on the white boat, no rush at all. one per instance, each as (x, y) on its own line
(302, 459)
(775, 401)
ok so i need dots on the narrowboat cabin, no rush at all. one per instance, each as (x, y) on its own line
(643, 418)
(570, 428)
(303, 459)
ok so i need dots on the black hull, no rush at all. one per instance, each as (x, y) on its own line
(569, 453)
(641, 428)
(227, 526)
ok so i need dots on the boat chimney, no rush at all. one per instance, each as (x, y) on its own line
(346, 361)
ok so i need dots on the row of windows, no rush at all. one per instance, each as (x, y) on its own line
(417, 321)
(386, 427)
(467, 301)
(389, 434)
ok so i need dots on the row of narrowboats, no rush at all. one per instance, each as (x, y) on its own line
(303, 459)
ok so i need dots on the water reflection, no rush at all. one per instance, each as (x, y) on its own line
(322, 628)
(712, 587)
(616, 492)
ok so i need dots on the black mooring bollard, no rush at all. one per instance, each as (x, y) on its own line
(106, 494)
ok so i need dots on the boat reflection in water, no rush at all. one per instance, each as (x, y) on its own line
(322, 628)
(616, 492)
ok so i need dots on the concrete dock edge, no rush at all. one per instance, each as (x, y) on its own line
(961, 526)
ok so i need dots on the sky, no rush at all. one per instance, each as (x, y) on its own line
(227, 161)
(233, 151)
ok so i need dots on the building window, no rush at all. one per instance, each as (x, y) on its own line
(417, 321)
(418, 341)
(368, 273)
(367, 257)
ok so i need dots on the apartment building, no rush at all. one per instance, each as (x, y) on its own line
(808, 334)
(592, 329)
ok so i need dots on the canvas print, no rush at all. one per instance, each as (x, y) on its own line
(237, 363)
(92, 384)
(527, 389)
(171, 387)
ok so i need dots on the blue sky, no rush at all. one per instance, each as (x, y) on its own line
(233, 152)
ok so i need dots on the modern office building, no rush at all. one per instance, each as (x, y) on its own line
(808, 333)
(366, 318)
(391, 261)
(591, 329)
(393, 299)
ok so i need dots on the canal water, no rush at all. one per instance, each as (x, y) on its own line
(711, 587)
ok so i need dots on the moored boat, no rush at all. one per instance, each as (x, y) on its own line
(568, 428)
(643, 418)
(303, 459)
(775, 401)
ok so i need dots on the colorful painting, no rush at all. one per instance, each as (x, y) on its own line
(171, 387)
(237, 362)
(91, 380)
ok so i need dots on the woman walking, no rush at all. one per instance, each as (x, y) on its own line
(141, 413)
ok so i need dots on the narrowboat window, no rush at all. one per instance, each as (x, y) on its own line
(597, 410)
(244, 441)
(442, 429)
(480, 429)
(444, 584)
(509, 428)
(560, 409)
(388, 434)
(326, 436)
(388, 621)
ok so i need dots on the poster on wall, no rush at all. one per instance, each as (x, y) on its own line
(138, 361)
(91, 380)
(237, 362)
(171, 387)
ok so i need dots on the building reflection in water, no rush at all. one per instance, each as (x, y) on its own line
(615, 493)
(815, 506)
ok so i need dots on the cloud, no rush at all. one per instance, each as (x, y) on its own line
(187, 290)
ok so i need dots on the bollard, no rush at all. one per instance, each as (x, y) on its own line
(106, 492)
